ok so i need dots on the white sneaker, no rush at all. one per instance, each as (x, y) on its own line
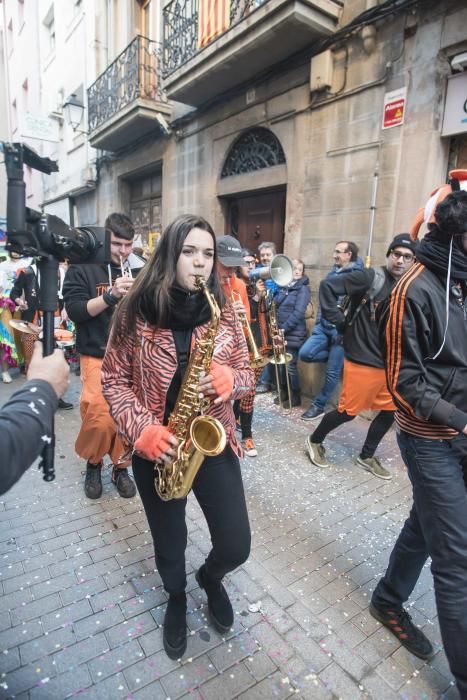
(6, 378)
(249, 447)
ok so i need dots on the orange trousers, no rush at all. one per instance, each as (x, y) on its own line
(363, 389)
(98, 434)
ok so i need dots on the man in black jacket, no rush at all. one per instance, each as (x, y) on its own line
(91, 292)
(29, 411)
(364, 384)
(424, 336)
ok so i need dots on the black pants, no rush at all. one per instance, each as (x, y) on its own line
(436, 527)
(218, 488)
(379, 426)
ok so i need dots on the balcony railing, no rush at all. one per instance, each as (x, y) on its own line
(134, 74)
(182, 35)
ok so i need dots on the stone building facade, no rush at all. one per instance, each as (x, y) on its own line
(322, 187)
(264, 116)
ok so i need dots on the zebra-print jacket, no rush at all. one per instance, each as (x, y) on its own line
(136, 375)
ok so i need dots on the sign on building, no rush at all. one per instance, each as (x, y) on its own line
(35, 126)
(394, 108)
(455, 108)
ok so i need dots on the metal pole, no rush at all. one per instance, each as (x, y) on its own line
(372, 217)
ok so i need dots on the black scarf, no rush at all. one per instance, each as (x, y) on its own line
(434, 254)
(186, 309)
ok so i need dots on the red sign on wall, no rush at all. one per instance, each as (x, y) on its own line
(394, 108)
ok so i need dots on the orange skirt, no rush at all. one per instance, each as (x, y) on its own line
(98, 434)
(364, 389)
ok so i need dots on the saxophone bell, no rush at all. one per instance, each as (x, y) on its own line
(208, 436)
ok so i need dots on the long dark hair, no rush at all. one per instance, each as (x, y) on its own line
(149, 295)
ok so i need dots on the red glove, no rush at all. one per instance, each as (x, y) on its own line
(153, 441)
(222, 380)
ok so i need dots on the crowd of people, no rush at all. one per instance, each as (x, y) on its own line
(173, 351)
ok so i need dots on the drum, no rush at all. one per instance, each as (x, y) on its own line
(63, 338)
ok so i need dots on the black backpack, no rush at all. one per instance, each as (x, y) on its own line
(351, 313)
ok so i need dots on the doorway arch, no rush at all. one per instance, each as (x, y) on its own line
(252, 188)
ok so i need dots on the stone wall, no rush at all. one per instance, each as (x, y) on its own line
(333, 143)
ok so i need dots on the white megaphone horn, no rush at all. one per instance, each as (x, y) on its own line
(280, 271)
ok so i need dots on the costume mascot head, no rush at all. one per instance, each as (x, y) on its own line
(426, 215)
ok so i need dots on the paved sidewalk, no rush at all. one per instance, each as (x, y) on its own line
(82, 605)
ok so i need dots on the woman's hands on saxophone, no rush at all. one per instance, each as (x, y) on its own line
(157, 444)
(219, 383)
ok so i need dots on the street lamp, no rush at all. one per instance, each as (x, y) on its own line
(73, 110)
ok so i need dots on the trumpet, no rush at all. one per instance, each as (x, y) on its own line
(256, 359)
(126, 272)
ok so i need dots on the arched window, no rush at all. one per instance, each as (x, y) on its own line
(254, 150)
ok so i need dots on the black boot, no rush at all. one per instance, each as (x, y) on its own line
(93, 480)
(296, 399)
(283, 395)
(175, 626)
(219, 605)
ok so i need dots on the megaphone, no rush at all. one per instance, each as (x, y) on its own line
(280, 271)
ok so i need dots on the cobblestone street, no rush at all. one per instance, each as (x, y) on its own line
(82, 605)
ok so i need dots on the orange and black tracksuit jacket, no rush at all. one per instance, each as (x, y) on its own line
(431, 394)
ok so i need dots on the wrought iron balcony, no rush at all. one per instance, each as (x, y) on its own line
(181, 29)
(206, 52)
(124, 99)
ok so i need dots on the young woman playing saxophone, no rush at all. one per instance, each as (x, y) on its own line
(165, 318)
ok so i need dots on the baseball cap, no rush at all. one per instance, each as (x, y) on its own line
(229, 251)
(403, 240)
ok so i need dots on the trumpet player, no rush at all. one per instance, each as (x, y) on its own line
(91, 293)
(259, 327)
(229, 258)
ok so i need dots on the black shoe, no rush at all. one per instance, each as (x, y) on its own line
(174, 635)
(263, 388)
(296, 400)
(65, 405)
(122, 480)
(283, 394)
(312, 413)
(93, 480)
(219, 605)
(400, 624)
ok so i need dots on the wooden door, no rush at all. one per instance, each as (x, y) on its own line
(146, 218)
(258, 218)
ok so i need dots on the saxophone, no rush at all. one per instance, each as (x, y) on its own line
(199, 435)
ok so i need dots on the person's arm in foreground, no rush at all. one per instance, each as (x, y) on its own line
(26, 418)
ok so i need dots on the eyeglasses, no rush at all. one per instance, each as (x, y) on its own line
(407, 257)
(250, 262)
(341, 252)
